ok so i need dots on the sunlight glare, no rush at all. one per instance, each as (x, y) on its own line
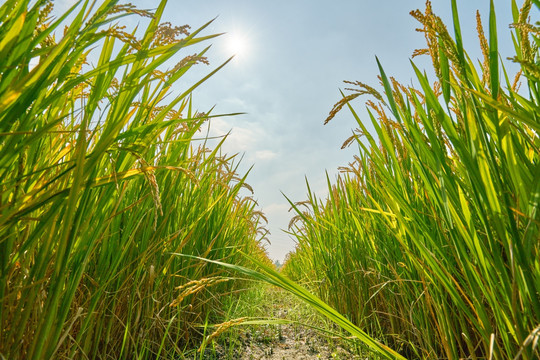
(237, 44)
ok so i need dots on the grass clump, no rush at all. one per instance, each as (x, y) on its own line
(429, 240)
(102, 182)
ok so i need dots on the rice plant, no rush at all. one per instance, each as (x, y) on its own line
(429, 240)
(102, 181)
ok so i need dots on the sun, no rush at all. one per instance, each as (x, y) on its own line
(237, 44)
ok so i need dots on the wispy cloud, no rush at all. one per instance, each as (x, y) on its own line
(240, 138)
(63, 5)
(265, 155)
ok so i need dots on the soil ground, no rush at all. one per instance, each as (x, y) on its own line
(295, 342)
(283, 341)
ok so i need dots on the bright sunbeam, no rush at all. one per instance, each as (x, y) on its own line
(237, 44)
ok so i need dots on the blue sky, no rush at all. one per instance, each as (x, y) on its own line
(288, 76)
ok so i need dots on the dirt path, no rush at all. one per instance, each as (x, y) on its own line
(284, 341)
(294, 342)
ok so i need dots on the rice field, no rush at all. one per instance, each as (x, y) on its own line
(125, 235)
(104, 190)
(429, 240)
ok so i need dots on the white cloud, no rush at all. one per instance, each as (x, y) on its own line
(278, 219)
(276, 209)
(63, 5)
(265, 155)
(240, 139)
(234, 103)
